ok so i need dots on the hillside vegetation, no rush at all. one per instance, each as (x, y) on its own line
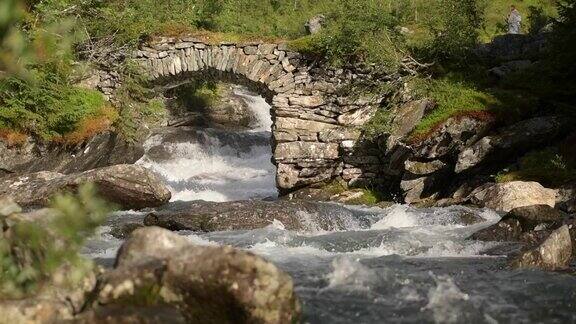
(40, 97)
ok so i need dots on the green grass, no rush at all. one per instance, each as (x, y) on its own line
(496, 12)
(452, 98)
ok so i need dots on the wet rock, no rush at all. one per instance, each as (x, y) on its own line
(510, 195)
(452, 136)
(529, 224)
(504, 231)
(123, 231)
(532, 216)
(206, 284)
(555, 253)
(130, 186)
(246, 215)
(510, 141)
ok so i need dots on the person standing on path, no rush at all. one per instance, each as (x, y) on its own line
(514, 21)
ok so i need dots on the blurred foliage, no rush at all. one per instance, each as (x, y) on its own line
(32, 251)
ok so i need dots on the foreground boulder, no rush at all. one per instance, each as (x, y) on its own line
(507, 196)
(205, 284)
(555, 253)
(130, 186)
(205, 216)
(61, 293)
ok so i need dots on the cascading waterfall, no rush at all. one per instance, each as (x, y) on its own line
(217, 165)
(396, 265)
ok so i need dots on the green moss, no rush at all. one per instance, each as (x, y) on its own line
(369, 197)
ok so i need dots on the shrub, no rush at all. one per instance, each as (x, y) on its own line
(47, 106)
(12, 138)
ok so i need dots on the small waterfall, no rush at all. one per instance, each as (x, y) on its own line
(216, 165)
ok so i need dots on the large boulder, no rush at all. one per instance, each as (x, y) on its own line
(452, 136)
(205, 216)
(61, 293)
(139, 245)
(555, 253)
(519, 221)
(510, 141)
(507, 196)
(130, 186)
(102, 150)
(207, 284)
(512, 47)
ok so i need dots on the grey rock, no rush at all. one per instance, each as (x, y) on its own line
(424, 168)
(512, 140)
(207, 284)
(451, 137)
(149, 242)
(555, 253)
(245, 215)
(127, 185)
(314, 25)
(510, 195)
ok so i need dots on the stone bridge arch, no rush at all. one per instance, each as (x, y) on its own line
(314, 128)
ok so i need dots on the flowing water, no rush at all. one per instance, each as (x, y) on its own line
(391, 265)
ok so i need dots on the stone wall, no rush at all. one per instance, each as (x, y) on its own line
(315, 126)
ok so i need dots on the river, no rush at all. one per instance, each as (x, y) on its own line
(391, 265)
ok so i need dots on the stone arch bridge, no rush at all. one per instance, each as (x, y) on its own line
(315, 126)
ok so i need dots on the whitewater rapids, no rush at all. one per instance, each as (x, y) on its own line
(390, 265)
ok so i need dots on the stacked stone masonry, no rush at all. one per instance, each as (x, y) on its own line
(315, 129)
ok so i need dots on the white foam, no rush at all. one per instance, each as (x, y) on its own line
(350, 273)
(397, 217)
(216, 169)
(259, 107)
(446, 301)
